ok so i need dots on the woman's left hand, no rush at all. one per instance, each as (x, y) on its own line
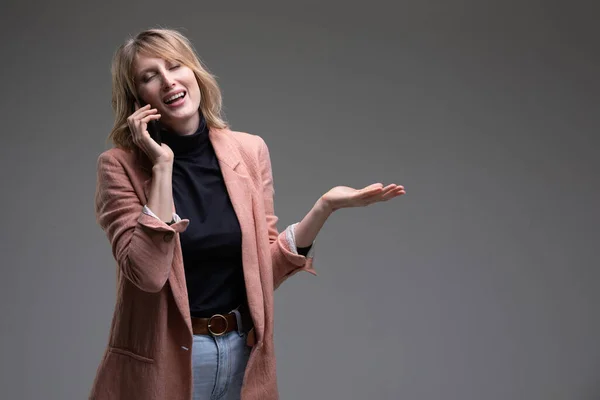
(345, 197)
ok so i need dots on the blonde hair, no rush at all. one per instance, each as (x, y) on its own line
(170, 45)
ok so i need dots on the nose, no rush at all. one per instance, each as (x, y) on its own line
(168, 81)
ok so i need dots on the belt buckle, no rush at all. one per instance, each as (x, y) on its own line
(210, 328)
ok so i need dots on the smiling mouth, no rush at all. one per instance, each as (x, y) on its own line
(175, 98)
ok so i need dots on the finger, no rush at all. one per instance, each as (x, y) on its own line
(389, 188)
(393, 194)
(141, 113)
(396, 190)
(374, 194)
(379, 188)
(374, 186)
(389, 192)
(150, 118)
(370, 190)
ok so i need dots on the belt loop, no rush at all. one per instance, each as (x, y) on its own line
(238, 318)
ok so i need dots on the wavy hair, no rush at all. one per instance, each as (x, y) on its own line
(167, 44)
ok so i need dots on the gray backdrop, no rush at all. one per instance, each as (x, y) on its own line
(480, 283)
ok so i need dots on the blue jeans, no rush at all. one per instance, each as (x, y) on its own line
(218, 365)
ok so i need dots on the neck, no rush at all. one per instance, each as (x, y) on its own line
(184, 127)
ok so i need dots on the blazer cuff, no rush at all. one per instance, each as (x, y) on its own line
(146, 210)
(290, 235)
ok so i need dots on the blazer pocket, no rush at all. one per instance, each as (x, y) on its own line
(131, 354)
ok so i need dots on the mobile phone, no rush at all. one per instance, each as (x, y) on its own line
(153, 126)
(154, 130)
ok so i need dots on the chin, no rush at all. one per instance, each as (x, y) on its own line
(183, 115)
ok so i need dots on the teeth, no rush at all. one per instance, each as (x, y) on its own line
(174, 97)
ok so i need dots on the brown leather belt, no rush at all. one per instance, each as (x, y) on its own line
(220, 324)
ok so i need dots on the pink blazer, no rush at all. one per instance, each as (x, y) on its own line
(148, 355)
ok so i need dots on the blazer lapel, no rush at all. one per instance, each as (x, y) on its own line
(241, 192)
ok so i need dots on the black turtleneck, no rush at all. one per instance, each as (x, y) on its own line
(212, 243)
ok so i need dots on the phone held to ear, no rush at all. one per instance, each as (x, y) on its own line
(153, 127)
(154, 130)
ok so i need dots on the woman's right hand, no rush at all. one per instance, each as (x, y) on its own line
(138, 125)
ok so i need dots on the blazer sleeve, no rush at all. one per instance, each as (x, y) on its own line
(285, 258)
(141, 244)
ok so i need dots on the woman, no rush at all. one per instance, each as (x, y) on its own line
(193, 232)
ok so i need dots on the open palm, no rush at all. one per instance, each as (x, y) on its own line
(345, 197)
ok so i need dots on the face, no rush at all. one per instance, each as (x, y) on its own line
(170, 87)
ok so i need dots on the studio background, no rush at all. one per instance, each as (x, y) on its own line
(480, 284)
